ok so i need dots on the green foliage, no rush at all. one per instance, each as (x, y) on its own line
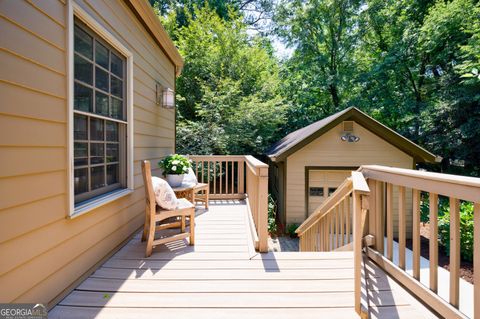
(227, 95)
(466, 224)
(466, 229)
(175, 164)
(291, 228)
(413, 65)
(272, 215)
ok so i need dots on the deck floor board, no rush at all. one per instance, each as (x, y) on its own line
(221, 276)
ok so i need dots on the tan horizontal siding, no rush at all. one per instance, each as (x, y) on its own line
(25, 189)
(51, 10)
(51, 57)
(32, 216)
(17, 100)
(33, 20)
(48, 252)
(31, 132)
(18, 161)
(15, 68)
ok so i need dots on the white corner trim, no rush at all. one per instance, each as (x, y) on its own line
(74, 10)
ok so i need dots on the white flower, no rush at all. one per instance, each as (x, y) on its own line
(174, 168)
(175, 162)
(185, 169)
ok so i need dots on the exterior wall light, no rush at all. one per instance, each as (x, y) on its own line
(164, 96)
(350, 138)
(168, 100)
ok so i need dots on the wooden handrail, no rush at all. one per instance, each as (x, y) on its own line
(463, 187)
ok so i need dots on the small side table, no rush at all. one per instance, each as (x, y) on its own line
(184, 192)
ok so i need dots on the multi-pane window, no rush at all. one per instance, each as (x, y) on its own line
(99, 116)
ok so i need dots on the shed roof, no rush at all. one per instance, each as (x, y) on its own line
(299, 138)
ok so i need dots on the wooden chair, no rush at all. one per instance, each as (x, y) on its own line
(201, 193)
(155, 214)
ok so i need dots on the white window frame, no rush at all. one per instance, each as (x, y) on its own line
(75, 11)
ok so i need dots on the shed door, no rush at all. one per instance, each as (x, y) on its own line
(323, 183)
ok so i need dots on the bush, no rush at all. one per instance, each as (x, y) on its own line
(272, 214)
(466, 229)
(291, 228)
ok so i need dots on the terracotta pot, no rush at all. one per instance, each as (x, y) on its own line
(175, 180)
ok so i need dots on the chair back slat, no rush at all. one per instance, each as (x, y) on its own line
(147, 181)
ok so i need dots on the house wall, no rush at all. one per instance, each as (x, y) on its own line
(42, 252)
(329, 151)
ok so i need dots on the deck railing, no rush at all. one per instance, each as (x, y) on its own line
(238, 177)
(372, 210)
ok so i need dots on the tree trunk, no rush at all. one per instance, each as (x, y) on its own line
(335, 98)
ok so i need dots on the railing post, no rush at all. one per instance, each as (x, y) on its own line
(357, 249)
(262, 212)
(476, 260)
(241, 177)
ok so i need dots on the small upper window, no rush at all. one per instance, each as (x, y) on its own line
(316, 191)
(99, 116)
(331, 190)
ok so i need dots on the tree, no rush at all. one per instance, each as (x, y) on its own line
(227, 95)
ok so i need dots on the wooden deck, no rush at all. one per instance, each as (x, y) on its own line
(223, 277)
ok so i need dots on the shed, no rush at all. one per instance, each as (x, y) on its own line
(308, 165)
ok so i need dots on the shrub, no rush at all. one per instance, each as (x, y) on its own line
(272, 214)
(466, 229)
(291, 228)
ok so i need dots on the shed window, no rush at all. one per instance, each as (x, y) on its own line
(331, 190)
(316, 191)
(100, 123)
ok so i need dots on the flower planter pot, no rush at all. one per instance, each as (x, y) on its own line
(175, 180)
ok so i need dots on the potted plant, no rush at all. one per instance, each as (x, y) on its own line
(174, 168)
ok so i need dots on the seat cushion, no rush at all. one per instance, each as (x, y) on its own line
(164, 194)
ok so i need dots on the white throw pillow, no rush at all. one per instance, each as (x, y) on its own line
(164, 194)
(190, 179)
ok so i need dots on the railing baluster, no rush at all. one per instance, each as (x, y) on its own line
(208, 173)
(214, 177)
(379, 218)
(325, 232)
(347, 210)
(329, 228)
(226, 177)
(454, 252)
(401, 227)
(221, 177)
(416, 234)
(389, 221)
(342, 223)
(476, 260)
(337, 227)
(233, 179)
(433, 242)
